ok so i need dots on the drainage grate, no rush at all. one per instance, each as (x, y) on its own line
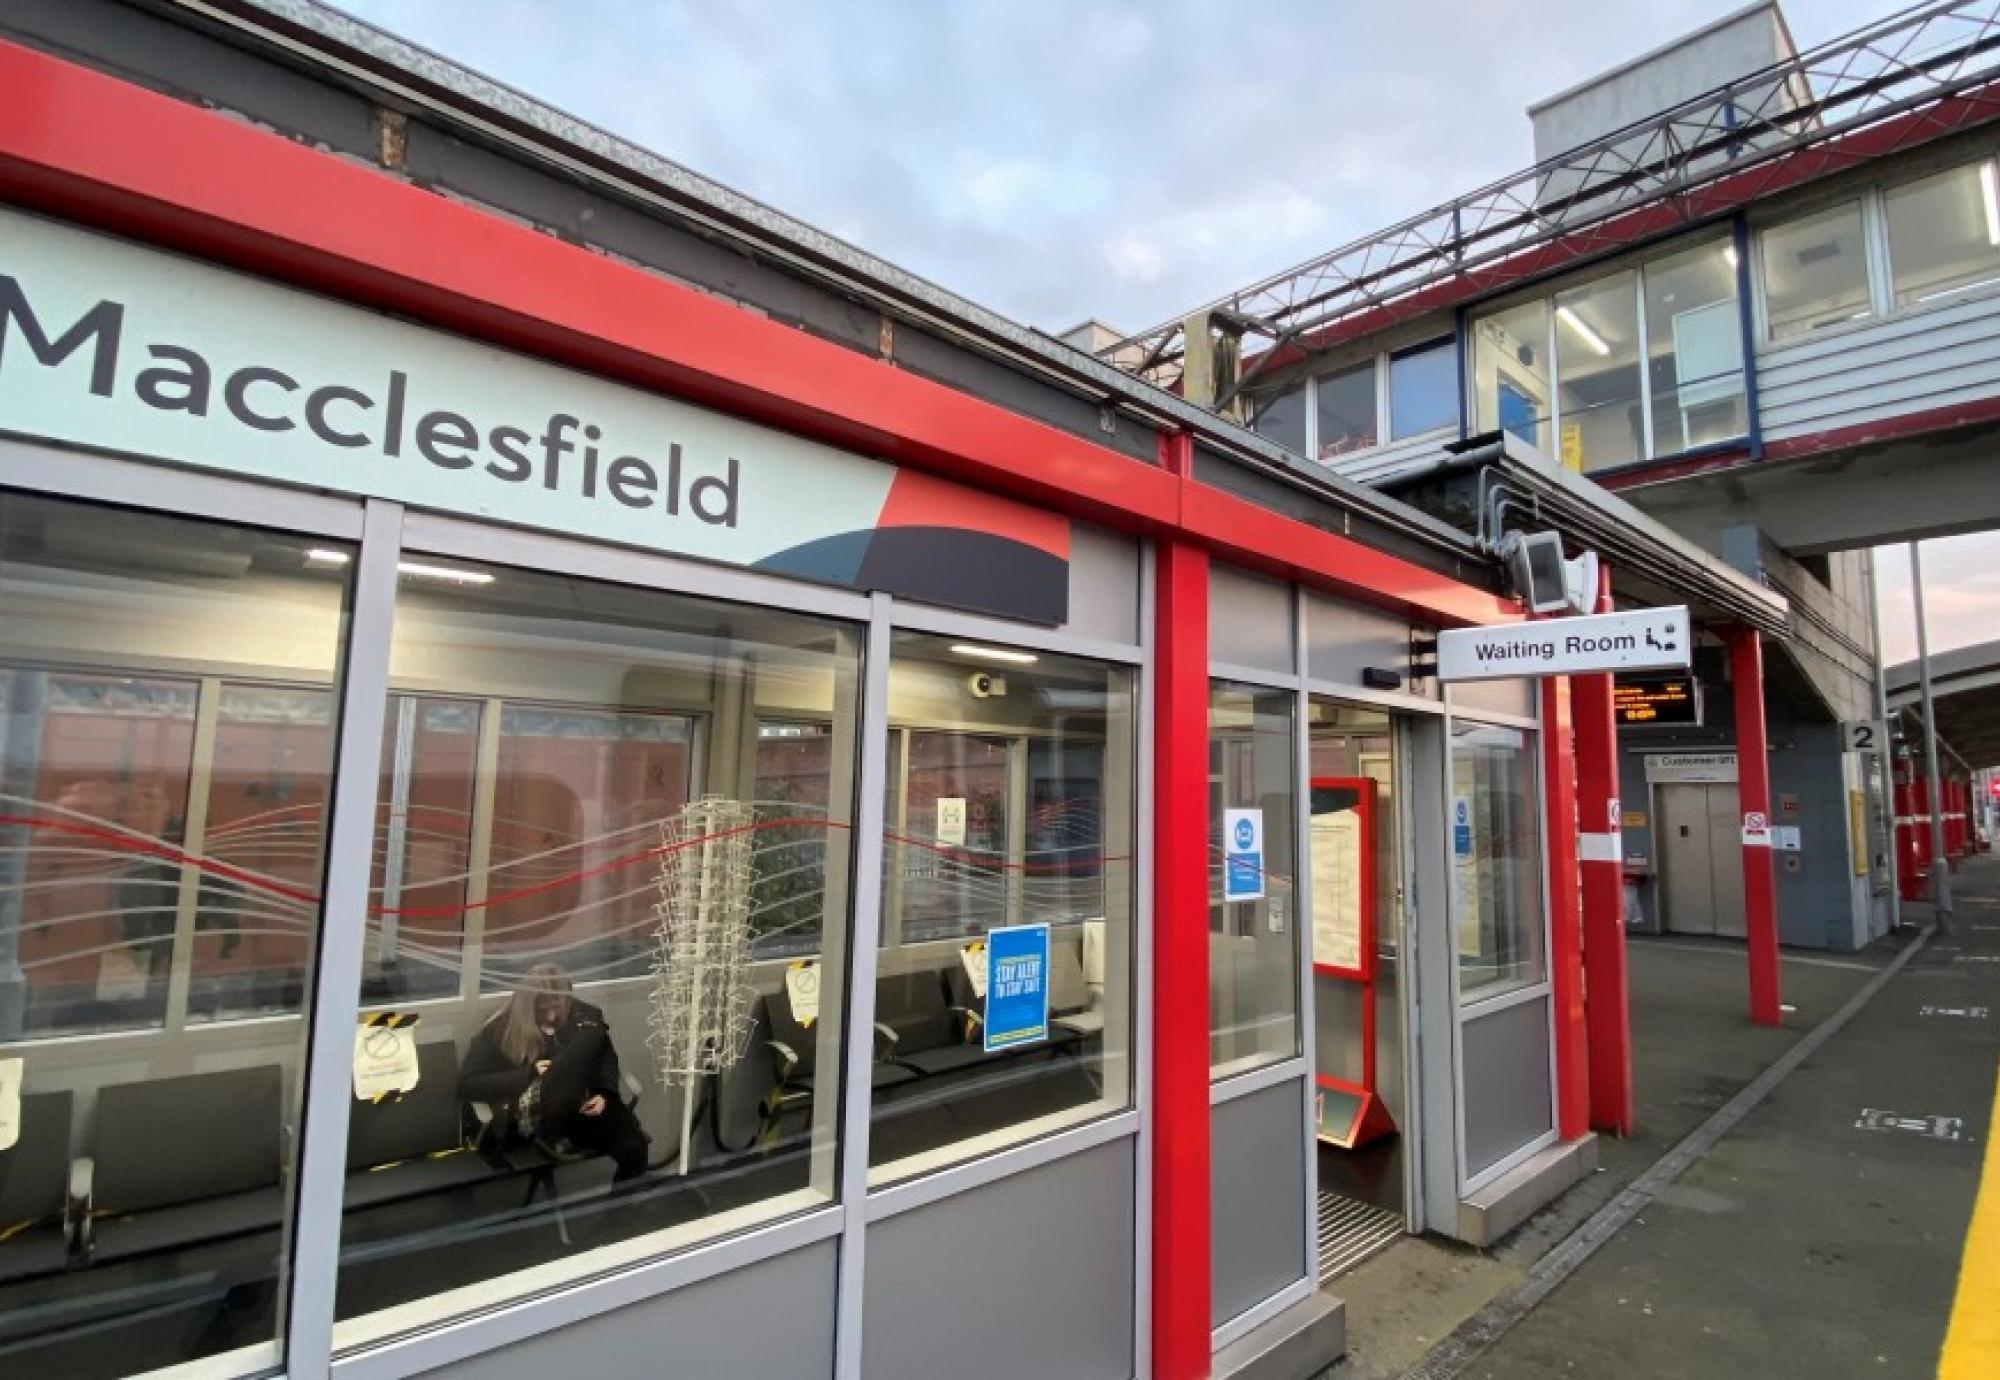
(1350, 1232)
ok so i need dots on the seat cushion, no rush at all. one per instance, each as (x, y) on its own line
(417, 1178)
(177, 1140)
(33, 1252)
(187, 1225)
(424, 1120)
(34, 1171)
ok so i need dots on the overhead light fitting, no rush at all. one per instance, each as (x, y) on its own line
(1989, 196)
(979, 653)
(321, 555)
(444, 572)
(1583, 332)
(1729, 255)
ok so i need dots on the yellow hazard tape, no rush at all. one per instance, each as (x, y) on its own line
(1972, 1345)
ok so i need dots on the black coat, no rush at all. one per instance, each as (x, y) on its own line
(489, 1076)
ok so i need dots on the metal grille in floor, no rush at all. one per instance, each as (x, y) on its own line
(1351, 1231)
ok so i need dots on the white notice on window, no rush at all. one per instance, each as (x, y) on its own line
(1336, 893)
(385, 1056)
(802, 991)
(973, 956)
(11, 1073)
(951, 821)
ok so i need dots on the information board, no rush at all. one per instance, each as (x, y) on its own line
(1339, 864)
(1657, 702)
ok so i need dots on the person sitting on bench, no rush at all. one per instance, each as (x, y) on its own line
(545, 1064)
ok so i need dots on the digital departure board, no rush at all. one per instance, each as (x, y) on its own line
(1658, 702)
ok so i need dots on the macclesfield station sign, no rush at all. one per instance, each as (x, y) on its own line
(1642, 640)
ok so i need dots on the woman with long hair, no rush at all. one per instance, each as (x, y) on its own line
(546, 1066)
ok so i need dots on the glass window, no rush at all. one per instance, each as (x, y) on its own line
(624, 861)
(1423, 389)
(1944, 233)
(166, 762)
(1694, 349)
(1009, 852)
(1496, 851)
(1283, 419)
(1346, 407)
(1510, 372)
(1815, 272)
(1253, 984)
(1597, 361)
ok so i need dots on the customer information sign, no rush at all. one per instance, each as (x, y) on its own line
(1642, 640)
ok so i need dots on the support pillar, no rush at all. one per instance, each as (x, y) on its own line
(1181, 1209)
(1601, 850)
(1753, 787)
(1565, 912)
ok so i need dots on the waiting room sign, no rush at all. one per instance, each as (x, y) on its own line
(1642, 640)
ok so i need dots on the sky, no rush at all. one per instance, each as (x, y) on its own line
(1061, 159)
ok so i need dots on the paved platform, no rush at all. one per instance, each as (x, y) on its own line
(1822, 1236)
(1802, 1244)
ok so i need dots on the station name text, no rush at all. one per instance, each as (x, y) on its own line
(561, 454)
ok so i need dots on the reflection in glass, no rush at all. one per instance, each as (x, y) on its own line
(1010, 805)
(1496, 859)
(1283, 419)
(628, 813)
(1944, 233)
(1510, 372)
(165, 765)
(1815, 272)
(1694, 349)
(1597, 361)
(1423, 389)
(1253, 993)
(1346, 407)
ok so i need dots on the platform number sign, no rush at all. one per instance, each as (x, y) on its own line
(1864, 735)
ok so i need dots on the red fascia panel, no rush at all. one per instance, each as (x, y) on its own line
(1963, 111)
(87, 146)
(1282, 546)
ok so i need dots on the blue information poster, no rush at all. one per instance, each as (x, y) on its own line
(1017, 986)
(1242, 855)
(1461, 828)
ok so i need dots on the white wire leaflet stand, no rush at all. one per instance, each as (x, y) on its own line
(702, 999)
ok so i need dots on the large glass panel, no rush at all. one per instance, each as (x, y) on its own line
(1597, 361)
(1003, 995)
(268, 779)
(165, 763)
(1944, 233)
(628, 813)
(1346, 407)
(1423, 389)
(1510, 372)
(1283, 419)
(1496, 853)
(1253, 777)
(1815, 272)
(1694, 349)
(423, 848)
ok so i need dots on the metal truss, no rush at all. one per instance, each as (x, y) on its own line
(1708, 155)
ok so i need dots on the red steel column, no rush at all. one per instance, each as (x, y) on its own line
(1565, 913)
(1607, 1013)
(1753, 788)
(1181, 1208)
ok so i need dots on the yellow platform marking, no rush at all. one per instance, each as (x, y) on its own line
(1972, 1345)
